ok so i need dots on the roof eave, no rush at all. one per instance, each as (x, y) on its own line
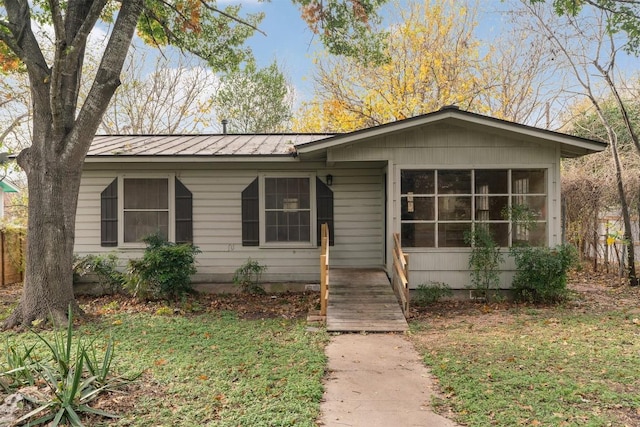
(582, 146)
(192, 158)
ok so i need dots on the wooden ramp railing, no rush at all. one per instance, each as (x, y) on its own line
(324, 269)
(400, 277)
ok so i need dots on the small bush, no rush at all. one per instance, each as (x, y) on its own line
(541, 273)
(484, 261)
(104, 267)
(432, 292)
(248, 276)
(164, 271)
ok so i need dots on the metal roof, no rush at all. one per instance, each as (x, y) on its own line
(113, 147)
(200, 145)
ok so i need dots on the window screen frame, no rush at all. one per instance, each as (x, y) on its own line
(170, 178)
(474, 195)
(311, 243)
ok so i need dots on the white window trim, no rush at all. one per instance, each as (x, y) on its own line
(172, 207)
(312, 206)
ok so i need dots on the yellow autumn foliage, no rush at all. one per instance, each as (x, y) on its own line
(434, 60)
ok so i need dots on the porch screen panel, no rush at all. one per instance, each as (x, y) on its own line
(439, 208)
(530, 202)
(418, 212)
(491, 202)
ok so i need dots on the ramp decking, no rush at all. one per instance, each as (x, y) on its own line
(362, 300)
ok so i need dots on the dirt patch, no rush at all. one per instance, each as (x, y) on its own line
(286, 305)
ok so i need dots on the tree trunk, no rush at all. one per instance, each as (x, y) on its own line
(626, 216)
(48, 285)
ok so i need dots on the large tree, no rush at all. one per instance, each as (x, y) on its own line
(435, 59)
(622, 16)
(63, 128)
(589, 48)
(255, 100)
(166, 99)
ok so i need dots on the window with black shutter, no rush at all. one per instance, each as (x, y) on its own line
(286, 206)
(251, 215)
(109, 215)
(145, 210)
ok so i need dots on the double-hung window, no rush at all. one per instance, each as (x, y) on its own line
(134, 207)
(440, 207)
(145, 208)
(288, 209)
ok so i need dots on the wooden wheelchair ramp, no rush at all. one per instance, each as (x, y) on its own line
(362, 300)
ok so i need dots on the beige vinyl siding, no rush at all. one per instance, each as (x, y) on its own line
(217, 228)
(443, 146)
(456, 148)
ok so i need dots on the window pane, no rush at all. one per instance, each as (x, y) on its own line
(287, 205)
(535, 235)
(454, 182)
(417, 182)
(536, 205)
(454, 208)
(538, 234)
(492, 182)
(528, 181)
(418, 235)
(453, 235)
(491, 207)
(138, 225)
(145, 193)
(418, 208)
(287, 193)
(499, 232)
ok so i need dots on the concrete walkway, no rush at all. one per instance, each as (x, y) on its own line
(377, 380)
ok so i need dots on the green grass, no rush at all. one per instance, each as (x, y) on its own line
(214, 369)
(548, 368)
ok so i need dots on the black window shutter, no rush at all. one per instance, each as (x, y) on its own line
(324, 203)
(109, 215)
(184, 213)
(251, 215)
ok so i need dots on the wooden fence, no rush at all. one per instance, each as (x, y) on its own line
(12, 253)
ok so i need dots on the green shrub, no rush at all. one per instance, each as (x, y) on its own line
(541, 272)
(247, 276)
(164, 271)
(432, 292)
(104, 267)
(484, 261)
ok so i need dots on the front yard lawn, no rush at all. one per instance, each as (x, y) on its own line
(212, 367)
(506, 365)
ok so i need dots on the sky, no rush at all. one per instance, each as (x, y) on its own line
(291, 42)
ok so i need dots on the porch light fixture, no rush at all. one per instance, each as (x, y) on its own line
(329, 180)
